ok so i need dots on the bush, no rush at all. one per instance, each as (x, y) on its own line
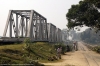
(97, 49)
(61, 45)
(27, 43)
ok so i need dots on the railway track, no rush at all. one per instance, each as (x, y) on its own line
(89, 58)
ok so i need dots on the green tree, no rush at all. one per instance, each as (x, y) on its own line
(90, 36)
(85, 13)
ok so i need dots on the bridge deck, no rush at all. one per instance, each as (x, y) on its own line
(7, 39)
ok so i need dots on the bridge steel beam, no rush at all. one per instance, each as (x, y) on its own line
(51, 32)
(7, 23)
(16, 25)
(58, 35)
(26, 23)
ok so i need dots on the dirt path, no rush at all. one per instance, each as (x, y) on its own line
(82, 57)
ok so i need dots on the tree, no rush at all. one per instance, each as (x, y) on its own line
(90, 36)
(85, 13)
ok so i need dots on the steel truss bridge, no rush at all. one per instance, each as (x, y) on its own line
(30, 24)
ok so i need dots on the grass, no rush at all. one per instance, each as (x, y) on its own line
(17, 53)
(26, 53)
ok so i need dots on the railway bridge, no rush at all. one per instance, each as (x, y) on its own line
(30, 24)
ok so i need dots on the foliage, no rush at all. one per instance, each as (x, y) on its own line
(64, 47)
(27, 43)
(94, 48)
(89, 36)
(17, 53)
(60, 46)
(97, 49)
(85, 13)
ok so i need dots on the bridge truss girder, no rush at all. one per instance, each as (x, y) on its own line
(58, 35)
(26, 23)
(51, 32)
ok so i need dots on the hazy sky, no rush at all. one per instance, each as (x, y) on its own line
(54, 10)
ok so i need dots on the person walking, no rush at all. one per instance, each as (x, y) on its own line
(75, 47)
(59, 50)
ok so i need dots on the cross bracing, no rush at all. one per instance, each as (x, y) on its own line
(30, 24)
